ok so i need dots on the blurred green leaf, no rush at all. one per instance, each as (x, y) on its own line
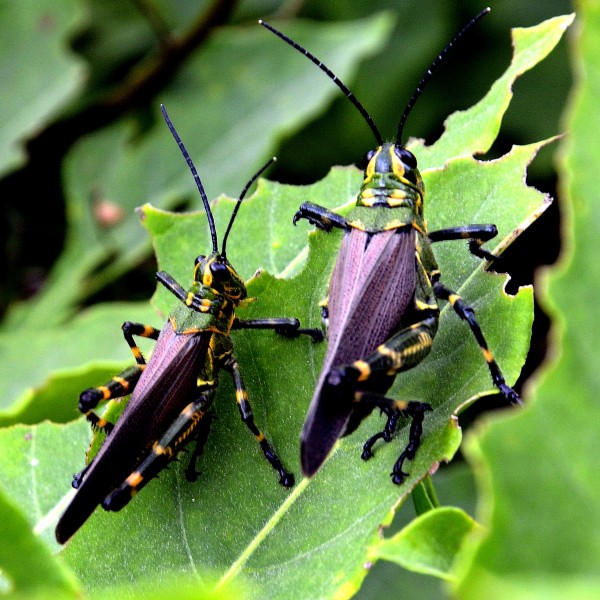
(25, 560)
(130, 167)
(42, 75)
(538, 470)
(43, 381)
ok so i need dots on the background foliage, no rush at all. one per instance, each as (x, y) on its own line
(80, 131)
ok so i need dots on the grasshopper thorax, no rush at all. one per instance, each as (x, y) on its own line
(215, 272)
(392, 179)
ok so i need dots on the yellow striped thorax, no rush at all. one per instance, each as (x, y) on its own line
(392, 181)
(212, 299)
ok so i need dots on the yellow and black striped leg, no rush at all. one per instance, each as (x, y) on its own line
(394, 409)
(193, 301)
(466, 313)
(402, 351)
(476, 234)
(288, 327)
(121, 384)
(320, 217)
(285, 478)
(164, 451)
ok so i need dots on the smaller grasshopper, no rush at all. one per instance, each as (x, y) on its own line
(382, 308)
(170, 396)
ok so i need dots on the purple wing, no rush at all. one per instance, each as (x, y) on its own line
(372, 285)
(164, 389)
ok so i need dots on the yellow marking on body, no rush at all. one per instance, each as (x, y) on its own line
(158, 449)
(398, 195)
(400, 404)
(101, 423)
(190, 299)
(368, 193)
(137, 353)
(487, 354)
(393, 224)
(134, 479)
(187, 412)
(357, 225)
(370, 170)
(363, 367)
(241, 396)
(421, 231)
(260, 437)
(424, 305)
(104, 391)
(147, 331)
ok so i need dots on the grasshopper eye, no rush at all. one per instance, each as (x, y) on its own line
(199, 259)
(407, 157)
(219, 271)
(367, 158)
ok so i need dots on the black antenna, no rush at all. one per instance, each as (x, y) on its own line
(211, 221)
(332, 76)
(241, 197)
(433, 67)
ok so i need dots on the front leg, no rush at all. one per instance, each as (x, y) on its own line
(288, 327)
(320, 217)
(476, 234)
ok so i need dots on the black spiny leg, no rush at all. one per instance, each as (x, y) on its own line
(466, 313)
(320, 217)
(285, 478)
(288, 327)
(394, 409)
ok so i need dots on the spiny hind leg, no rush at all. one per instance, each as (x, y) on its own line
(181, 431)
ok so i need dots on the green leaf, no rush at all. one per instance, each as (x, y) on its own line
(236, 523)
(538, 470)
(42, 74)
(430, 543)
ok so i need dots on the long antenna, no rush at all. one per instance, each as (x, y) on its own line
(332, 76)
(241, 197)
(433, 67)
(211, 221)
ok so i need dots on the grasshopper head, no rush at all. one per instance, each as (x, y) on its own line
(216, 272)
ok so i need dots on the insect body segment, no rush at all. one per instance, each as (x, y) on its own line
(382, 307)
(172, 394)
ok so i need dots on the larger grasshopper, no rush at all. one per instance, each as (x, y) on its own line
(383, 308)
